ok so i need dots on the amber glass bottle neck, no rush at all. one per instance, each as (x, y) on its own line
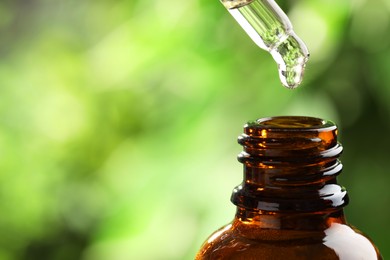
(288, 221)
(290, 166)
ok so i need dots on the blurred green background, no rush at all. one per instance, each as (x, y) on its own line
(119, 119)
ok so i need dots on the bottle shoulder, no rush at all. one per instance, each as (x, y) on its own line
(350, 243)
(339, 241)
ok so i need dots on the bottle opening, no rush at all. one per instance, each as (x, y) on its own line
(285, 135)
(294, 122)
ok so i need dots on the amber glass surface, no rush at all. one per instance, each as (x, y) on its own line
(289, 205)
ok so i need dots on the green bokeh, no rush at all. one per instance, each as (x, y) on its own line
(118, 119)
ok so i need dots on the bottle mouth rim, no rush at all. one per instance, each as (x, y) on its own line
(289, 138)
(292, 123)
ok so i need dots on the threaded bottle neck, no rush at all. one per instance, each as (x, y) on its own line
(290, 165)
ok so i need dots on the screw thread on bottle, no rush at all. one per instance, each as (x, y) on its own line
(290, 164)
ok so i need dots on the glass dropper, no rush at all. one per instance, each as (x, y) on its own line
(269, 27)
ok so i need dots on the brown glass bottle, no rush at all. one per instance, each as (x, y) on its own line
(289, 205)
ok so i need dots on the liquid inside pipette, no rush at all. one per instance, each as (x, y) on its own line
(269, 27)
